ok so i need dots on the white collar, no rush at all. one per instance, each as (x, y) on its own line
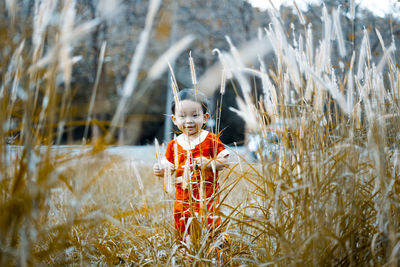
(183, 140)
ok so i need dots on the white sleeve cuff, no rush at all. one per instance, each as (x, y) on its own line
(166, 163)
(223, 154)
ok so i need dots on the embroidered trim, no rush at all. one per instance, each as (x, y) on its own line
(183, 140)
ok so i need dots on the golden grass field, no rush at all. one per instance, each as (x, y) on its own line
(109, 213)
(329, 198)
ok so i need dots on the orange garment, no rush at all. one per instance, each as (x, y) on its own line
(186, 202)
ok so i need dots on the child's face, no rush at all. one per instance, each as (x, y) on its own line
(189, 117)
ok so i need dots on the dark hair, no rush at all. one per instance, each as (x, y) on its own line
(193, 95)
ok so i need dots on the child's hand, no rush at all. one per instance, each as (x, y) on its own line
(202, 163)
(158, 170)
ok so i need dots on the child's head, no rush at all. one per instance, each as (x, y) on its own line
(193, 95)
(192, 112)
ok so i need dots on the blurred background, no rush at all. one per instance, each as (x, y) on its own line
(120, 23)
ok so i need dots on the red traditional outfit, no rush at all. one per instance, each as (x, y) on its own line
(195, 189)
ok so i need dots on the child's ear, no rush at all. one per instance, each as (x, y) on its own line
(206, 116)
(173, 118)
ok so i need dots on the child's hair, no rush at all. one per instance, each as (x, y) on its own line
(193, 95)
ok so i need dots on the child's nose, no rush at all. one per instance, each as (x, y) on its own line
(189, 119)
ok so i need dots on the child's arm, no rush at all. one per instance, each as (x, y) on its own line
(220, 162)
(159, 168)
(164, 163)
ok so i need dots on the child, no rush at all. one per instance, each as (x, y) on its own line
(196, 155)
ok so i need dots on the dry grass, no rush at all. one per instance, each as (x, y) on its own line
(122, 223)
(331, 196)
